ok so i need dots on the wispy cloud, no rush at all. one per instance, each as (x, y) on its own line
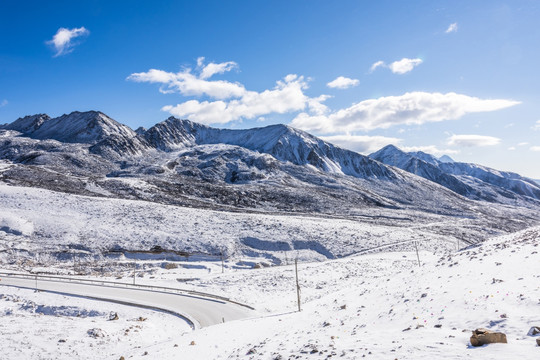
(536, 126)
(64, 39)
(473, 140)
(211, 69)
(361, 143)
(413, 108)
(452, 28)
(342, 82)
(233, 100)
(535, 148)
(376, 65)
(401, 67)
(4, 103)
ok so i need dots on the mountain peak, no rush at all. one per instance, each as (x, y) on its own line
(446, 159)
(75, 127)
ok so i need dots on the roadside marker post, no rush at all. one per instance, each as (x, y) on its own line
(297, 283)
(417, 254)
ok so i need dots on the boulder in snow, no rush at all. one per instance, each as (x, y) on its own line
(535, 330)
(96, 333)
(483, 336)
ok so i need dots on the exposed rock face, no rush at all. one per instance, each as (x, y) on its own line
(483, 336)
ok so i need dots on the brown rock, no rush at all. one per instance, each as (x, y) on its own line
(538, 341)
(483, 336)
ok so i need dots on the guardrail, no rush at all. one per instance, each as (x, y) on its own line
(106, 283)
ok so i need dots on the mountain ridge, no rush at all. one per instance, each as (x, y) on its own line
(176, 149)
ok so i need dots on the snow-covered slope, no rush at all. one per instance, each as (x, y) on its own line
(473, 181)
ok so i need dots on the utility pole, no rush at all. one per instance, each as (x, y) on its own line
(134, 271)
(297, 283)
(417, 255)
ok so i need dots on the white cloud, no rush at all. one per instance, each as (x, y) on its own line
(523, 143)
(512, 148)
(362, 144)
(342, 82)
(473, 140)
(401, 67)
(404, 65)
(414, 108)
(429, 149)
(452, 28)
(4, 103)
(189, 84)
(232, 100)
(63, 40)
(286, 96)
(536, 126)
(535, 148)
(376, 65)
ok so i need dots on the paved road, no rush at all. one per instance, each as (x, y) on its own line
(200, 311)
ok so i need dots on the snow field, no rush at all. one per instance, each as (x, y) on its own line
(98, 224)
(375, 306)
(383, 306)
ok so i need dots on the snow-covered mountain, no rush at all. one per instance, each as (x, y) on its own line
(76, 127)
(274, 170)
(284, 143)
(471, 180)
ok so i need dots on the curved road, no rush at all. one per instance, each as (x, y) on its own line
(197, 310)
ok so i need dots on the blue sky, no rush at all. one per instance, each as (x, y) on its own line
(448, 77)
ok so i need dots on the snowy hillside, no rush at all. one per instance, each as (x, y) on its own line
(67, 226)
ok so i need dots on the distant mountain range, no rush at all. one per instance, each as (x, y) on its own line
(473, 181)
(271, 169)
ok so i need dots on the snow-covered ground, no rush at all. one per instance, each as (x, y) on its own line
(67, 223)
(378, 306)
(40, 325)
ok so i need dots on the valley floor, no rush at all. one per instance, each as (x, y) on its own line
(378, 306)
